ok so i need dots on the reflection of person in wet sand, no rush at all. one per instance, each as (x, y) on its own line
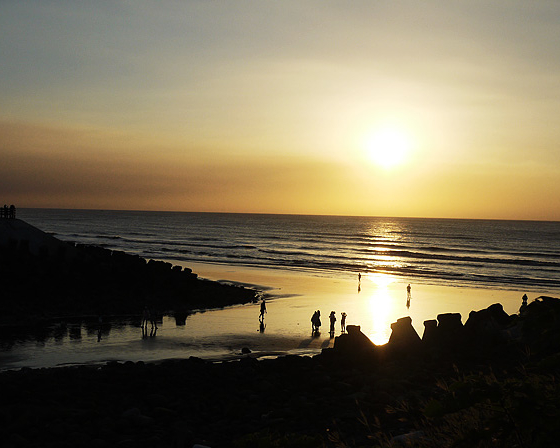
(343, 322)
(263, 311)
(262, 326)
(315, 322)
(332, 318)
(99, 327)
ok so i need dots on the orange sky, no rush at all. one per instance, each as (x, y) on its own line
(277, 108)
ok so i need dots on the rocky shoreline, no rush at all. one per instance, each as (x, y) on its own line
(44, 278)
(490, 382)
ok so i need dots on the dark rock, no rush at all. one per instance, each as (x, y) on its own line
(450, 329)
(354, 342)
(487, 325)
(403, 336)
(429, 338)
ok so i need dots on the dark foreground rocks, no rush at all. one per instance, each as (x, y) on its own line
(500, 391)
(43, 278)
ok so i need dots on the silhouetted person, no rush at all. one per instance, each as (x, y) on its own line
(408, 296)
(343, 322)
(316, 322)
(12, 211)
(523, 303)
(332, 318)
(359, 276)
(145, 318)
(263, 310)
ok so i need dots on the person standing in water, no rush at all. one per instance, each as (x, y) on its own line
(263, 311)
(408, 296)
(315, 322)
(332, 318)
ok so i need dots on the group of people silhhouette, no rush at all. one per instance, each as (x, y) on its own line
(316, 323)
(8, 212)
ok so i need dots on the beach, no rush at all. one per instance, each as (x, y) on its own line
(220, 334)
(209, 372)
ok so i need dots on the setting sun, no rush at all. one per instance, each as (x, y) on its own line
(388, 147)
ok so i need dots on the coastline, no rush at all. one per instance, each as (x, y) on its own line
(380, 301)
(135, 393)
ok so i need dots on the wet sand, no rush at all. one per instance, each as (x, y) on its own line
(373, 303)
(292, 297)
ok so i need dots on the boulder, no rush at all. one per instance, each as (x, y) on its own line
(487, 325)
(353, 342)
(404, 336)
(450, 328)
(430, 335)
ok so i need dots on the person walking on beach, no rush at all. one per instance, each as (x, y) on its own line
(263, 311)
(343, 322)
(332, 318)
(408, 296)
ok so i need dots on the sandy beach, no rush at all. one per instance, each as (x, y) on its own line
(373, 303)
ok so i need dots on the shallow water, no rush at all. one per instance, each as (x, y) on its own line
(373, 303)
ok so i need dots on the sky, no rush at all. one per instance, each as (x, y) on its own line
(371, 108)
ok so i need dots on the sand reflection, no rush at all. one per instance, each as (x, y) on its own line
(380, 309)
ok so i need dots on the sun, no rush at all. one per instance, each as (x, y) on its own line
(388, 147)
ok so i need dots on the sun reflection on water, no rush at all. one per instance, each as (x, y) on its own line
(380, 307)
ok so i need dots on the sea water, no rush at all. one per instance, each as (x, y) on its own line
(489, 253)
(302, 263)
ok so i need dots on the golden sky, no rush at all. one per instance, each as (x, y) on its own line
(373, 107)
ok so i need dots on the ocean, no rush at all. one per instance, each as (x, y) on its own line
(479, 253)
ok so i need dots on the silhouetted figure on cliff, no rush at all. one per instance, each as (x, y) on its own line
(343, 322)
(332, 318)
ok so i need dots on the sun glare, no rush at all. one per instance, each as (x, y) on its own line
(388, 147)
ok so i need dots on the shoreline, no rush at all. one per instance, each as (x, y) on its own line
(380, 301)
(312, 401)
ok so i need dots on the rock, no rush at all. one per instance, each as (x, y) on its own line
(131, 413)
(450, 329)
(429, 337)
(245, 350)
(354, 342)
(404, 336)
(487, 325)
